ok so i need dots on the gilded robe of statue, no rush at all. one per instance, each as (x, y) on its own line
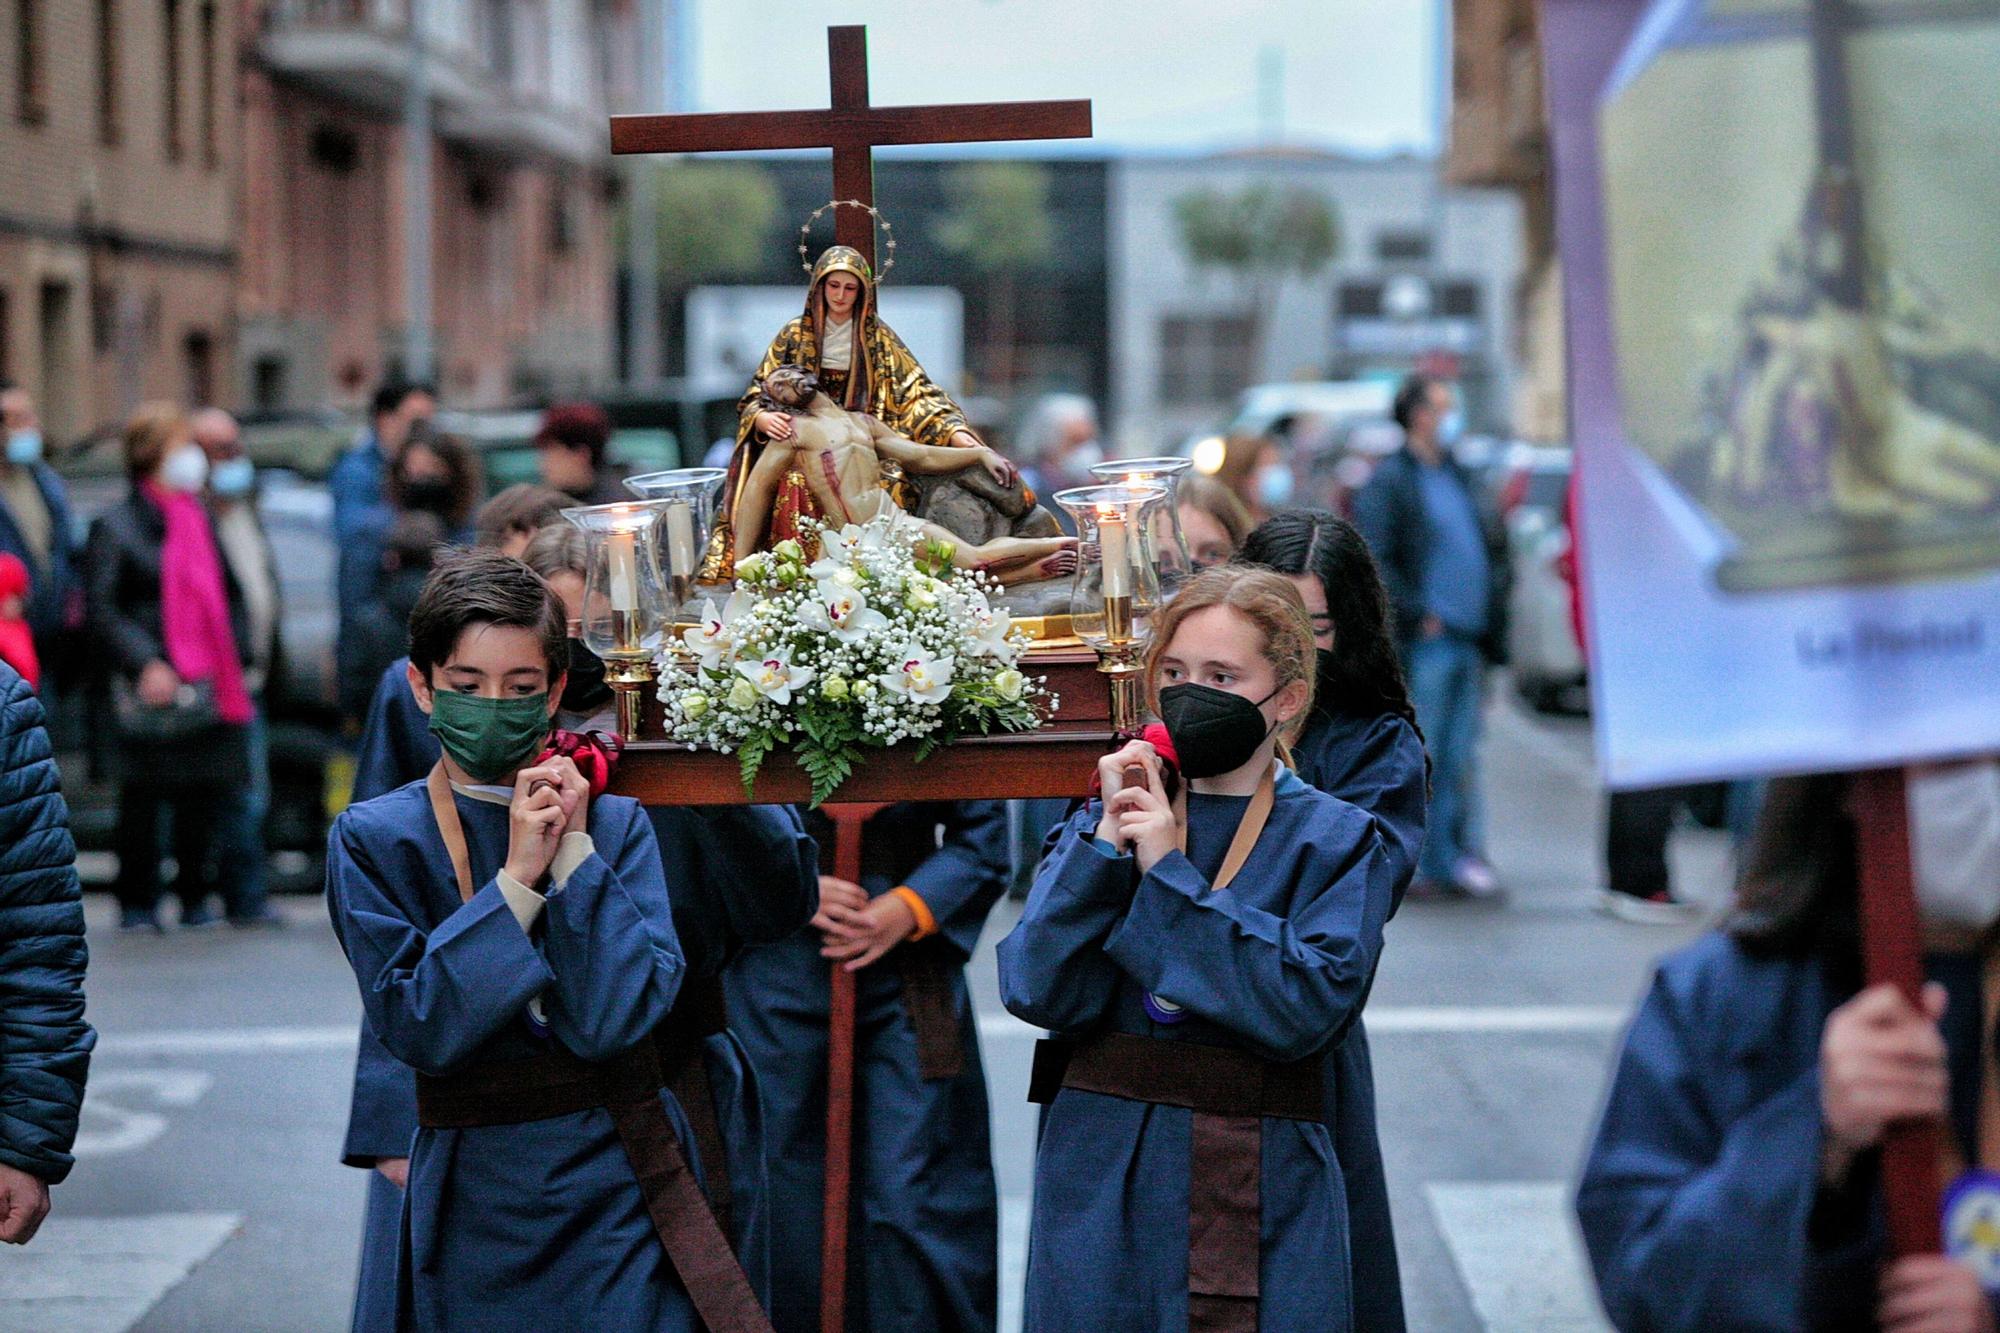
(879, 377)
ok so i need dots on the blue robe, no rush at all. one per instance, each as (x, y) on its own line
(1376, 762)
(749, 877)
(544, 1218)
(1276, 964)
(924, 1237)
(1700, 1201)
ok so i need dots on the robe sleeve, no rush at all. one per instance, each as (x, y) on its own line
(608, 938)
(763, 867)
(1383, 773)
(1287, 985)
(923, 412)
(1053, 968)
(1693, 1224)
(432, 996)
(382, 1113)
(964, 877)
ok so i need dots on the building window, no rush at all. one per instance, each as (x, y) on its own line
(199, 351)
(1403, 247)
(1203, 358)
(170, 75)
(210, 149)
(6, 340)
(563, 222)
(335, 148)
(107, 71)
(33, 104)
(267, 383)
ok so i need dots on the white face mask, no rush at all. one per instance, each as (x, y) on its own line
(1955, 842)
(185, 470)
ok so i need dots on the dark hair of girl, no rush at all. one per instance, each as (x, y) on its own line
(1798, 893)
(465, 480)
(1365, 674)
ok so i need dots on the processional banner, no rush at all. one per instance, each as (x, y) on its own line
(1776, 223)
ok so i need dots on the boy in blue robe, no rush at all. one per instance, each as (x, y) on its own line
(749, 877)
(1198, 961)
(515, 945)
(924, 1239)
(1361, 744)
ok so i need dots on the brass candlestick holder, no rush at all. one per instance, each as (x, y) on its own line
(1117, 584)
(625, 599)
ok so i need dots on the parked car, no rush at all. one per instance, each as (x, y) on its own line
(1530, 486)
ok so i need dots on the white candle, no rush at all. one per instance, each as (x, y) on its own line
(623, 554)
(680, 539)
(1113, 546)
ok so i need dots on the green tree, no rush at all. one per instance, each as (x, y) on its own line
(714, 222)
(1262, 236)
(999, 222)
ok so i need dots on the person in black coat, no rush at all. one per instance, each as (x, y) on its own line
(44, 1042)
(190, 766)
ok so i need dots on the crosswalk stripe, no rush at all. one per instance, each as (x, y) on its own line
(1518, 1253)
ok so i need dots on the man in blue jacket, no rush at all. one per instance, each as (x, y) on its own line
(44, 1042)
(1443, 560)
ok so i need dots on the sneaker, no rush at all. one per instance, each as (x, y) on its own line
(199, 917)
(1474, 878)
(139, 918)
(1655, 909)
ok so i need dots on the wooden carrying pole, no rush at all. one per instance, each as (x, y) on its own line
(1892, 951)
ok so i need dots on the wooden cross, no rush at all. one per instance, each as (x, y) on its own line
(852, 129)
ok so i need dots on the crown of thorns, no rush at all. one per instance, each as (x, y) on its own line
(888, 234)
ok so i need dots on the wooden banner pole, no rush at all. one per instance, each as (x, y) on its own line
(849, 822)
(1892, 951)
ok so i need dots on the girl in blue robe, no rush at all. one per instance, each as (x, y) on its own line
(1704, 1203)
(1274, 966)
(1361, 744)
(924, 1235)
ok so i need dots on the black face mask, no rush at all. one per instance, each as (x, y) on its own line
(1213, 730)
(427, 493)
(584, 691)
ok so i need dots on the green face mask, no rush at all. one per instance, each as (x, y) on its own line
(489, 737)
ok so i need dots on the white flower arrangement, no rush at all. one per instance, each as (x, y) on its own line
(878, 642)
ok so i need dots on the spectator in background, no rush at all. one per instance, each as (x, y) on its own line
(47, 1051)
(1735, 1180)
(1444, 561)
(356, 481)
(35, 523)
(172, 625)
(17, 641)
(1059, 444)
(379, 630)
(507, 521)
(1257, 469)
(434, 475)
(246, 551)
(570, 446)
(1213, 520)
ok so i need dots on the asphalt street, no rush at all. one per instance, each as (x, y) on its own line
(208, 1194)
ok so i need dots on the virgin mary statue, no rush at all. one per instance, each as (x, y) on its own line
(861, 364)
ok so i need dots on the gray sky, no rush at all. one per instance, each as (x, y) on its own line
(1163, 74)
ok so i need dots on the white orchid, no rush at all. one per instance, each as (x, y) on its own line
(838, 549)
(920, 677)
(842, 612)
(775, 677)
(712, 638)
(991, 627)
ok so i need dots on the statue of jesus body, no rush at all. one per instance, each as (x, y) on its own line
(839, 453)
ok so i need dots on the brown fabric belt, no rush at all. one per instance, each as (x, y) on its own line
(927, 968)
(557, 1083)
(1230, 1092)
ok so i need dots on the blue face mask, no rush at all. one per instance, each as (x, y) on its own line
(1451, 427)
(24, 446)
(232, 476)
(1274, 486)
